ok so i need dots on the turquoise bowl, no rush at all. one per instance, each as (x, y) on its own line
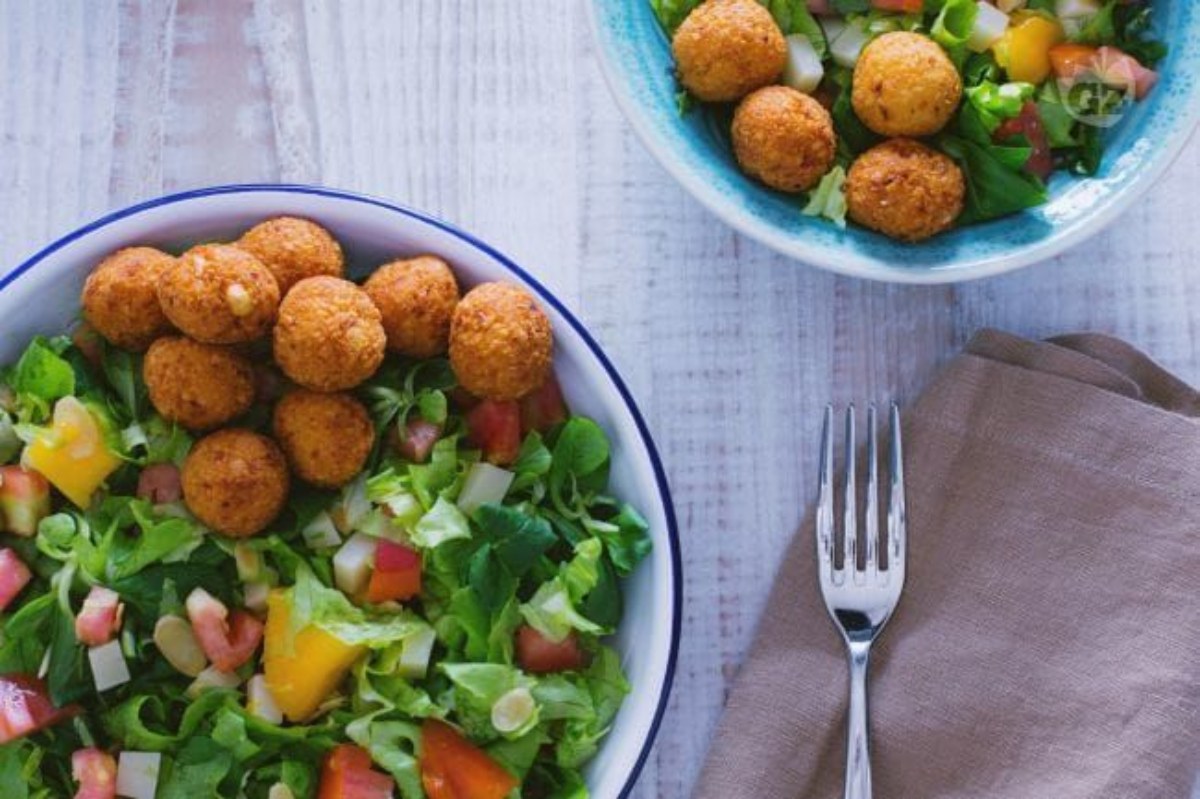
(636, 58)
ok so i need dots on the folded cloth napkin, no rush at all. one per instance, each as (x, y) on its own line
(1047, 644)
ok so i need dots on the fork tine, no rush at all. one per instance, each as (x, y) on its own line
(825, 496)
(850, 499)
(871, 512)
(897, 508)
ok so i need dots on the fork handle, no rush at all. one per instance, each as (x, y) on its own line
(858, 749)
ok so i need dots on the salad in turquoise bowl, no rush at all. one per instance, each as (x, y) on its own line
(918, 141)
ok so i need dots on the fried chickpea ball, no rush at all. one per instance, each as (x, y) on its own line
(120, 297)
(235, 482)
(417, 298)
(219, 294)
(784, 138)
(330, 335)
(905, 190)
(294, 249)
(200, 386)
(905, 85)
(326, 437)
(726, 49)
(501, 342)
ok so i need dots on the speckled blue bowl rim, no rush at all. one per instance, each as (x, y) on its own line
(660, 472)
(635, 57)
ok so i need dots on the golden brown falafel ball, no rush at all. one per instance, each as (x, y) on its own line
(120, 297)
(294, 249)
(326, 437)
(905, 190)
(726, 49)
(501, 342)
(200, 386)
(905, 85)
(417, 298)
(219, 294)
(330, 335)
(235, 482)
(784, 138)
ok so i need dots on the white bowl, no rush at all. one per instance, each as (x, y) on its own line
(42, 296)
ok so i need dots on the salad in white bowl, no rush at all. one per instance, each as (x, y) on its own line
(222, 574)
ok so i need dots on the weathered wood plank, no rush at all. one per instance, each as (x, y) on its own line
(495, 116)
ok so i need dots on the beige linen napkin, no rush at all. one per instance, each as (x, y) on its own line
(1047, 645)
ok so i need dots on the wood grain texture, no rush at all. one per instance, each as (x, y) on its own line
(495, 117)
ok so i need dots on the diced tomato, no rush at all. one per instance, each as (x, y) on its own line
(544, 408)
(14, 576)
(903, 6)
(416, 439)
(160, 483)
(454, 768)
(228, 639)
(347, 774)
(1123, 71)
(24, 500)
(100, 619)
(495, 427)
(537, 654)
(96, 772)
(1029, 124)
(1069, 61)
(397, 573)
(820, 7)
(25, 707)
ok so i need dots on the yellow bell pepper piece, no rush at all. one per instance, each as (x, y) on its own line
(1024, 50)
(72, 452)
(303, 675)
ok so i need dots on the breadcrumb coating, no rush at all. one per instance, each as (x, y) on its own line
(326, 437)
(219, 294)
(120, 297)
(235, 481)
(330, 335)
(501, 342)
(416, 298)
(200, 386)
(293, 249)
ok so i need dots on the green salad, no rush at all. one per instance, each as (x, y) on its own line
(912, 116)
(434, 628)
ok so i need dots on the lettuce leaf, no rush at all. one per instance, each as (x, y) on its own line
(626, 538)
(606, 683)
(793, 16)
(952, 28)
(443, 522)
(328, 608)
(551, 612)
(42, 373)
(197, 771)
(996, 185)
(477, 687)
(393, 746)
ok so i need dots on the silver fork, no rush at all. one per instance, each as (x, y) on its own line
(860, 600)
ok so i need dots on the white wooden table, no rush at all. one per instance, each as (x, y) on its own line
(494, 116)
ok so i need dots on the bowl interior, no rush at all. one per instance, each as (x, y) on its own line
(636, 58)
(42, 296)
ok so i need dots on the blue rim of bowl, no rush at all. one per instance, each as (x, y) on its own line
(848, 262)
(660, 474)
